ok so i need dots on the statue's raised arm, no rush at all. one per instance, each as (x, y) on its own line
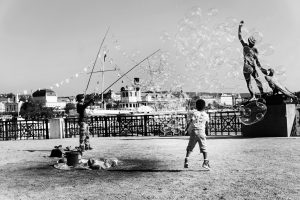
(240, 33)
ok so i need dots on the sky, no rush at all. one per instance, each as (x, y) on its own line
(54, 44)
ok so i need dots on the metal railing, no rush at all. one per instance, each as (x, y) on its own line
(24, 129)
(221, 123)
(129, 125)
(224, 123)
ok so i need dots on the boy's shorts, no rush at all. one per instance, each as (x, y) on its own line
(83, 128)
(199, 136)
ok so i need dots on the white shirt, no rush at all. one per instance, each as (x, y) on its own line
(198, 120)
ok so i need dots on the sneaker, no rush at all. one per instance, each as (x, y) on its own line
(186, 163)
(206, 164)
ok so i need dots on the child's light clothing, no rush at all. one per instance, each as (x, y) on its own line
(198, 120)
(196, 130)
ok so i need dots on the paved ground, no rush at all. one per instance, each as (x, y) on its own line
(152, 168)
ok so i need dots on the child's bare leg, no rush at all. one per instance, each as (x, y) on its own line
(205, 155)
(189, 148)
(205, 162)
(187, 153)
(186, 160)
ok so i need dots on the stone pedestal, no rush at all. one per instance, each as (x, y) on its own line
(279, 121)
(56, 128)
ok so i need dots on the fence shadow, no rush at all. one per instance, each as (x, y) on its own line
(33, 150)
(226, 137)
(156, 138)
(154, 170)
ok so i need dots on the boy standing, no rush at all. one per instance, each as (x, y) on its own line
(250, 60)
(84, 133)
(197, 122)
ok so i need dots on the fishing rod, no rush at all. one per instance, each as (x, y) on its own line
(96, 60)
(130, 70)
(108, 70)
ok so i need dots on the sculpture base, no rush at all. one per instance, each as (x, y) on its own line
(279, 121)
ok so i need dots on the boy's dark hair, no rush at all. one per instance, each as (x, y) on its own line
(200, 104)
(79, 97)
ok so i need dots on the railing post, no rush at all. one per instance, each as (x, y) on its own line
(106, 128)
(66, 128)
(6, 130)
(56, 128)
(145, 125)
(222, 123)
(47, 129)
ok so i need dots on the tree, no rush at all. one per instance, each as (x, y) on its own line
(215, 104)
(70, 106)
(24, 98)
(34, 110)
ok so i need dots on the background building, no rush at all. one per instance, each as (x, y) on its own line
(10, 103)
(48, 98)
(226, 99)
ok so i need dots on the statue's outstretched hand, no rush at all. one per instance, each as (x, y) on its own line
(264, 71)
